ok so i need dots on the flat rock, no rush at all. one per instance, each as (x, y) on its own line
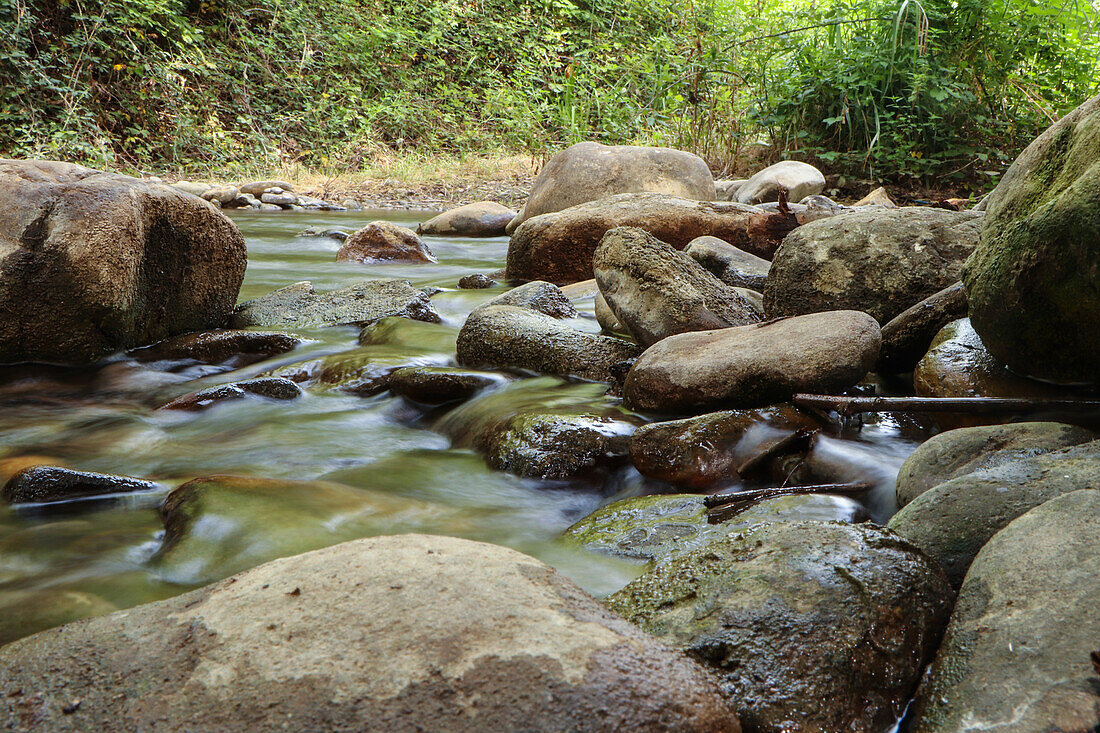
(383, 241)
(732, 266)
(754, 366)
(52, 483)
(300, 306)
(907, 337)
(797, 178)
(481, 219)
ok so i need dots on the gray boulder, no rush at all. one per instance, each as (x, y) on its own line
(880, 261)
(655, 291)
(92, 263)
(300, 306)
(589, 171)
(481, 219)
(1015, 657)
(798, 179)
(729, 264)
(394, 633)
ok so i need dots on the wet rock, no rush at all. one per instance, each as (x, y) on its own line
(656, 292)
(702, 451)
(439, 385)
(951, 522)
(381, 241)
(798, 179)
(729, 264)
(959, 452)
(337, 234)
(25, 612)
(810, 626)
(878, 197)
(589, 171)
(907, 337)
(874, 260)
(52, 483)
(282, 199)
(272, 388)
(258, 188)
(477, 281)
(507, 337)
(11, 465)
(396, 633)
(233, 347)
(558, 247)
(555, 446)
(481, 219)
(1016, 654)
(543, 297)
(1034, 280)
(300, 306)
(658, 528)
(753, 366)
(958, 365)
(363, 372)
(606, 317)
(92, 263)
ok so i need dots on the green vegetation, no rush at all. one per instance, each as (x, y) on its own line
(863, 85)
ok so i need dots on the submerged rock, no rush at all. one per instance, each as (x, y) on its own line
(397, 633)
(25, 612)
(481, 219)
(814, 626)
(235, 348)
(907, 337)
(798, 179)
(382, 241)
(729, 264)
(300, 306)
(53, 483)
(753, 366)
(272, 388)
(363, 371)
(656, 292)
(92, 263)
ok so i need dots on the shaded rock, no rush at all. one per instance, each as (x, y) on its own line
(92, 262)
(874, 260)
(300, 306)
(959, 452)
(951, 522)
(25, 612)
(381, 241)
(477, 281)
(481, 219)
(810, 626)
(753, 366)
(558, 247)
(799, 179)
(1034, 280)
(439, 385)
(272, 388)
(729, 264)
(702, 451)
(726, 189)
(233, 347)
(878, 197)
(906, 338)
(507, 337)
(606, 317)
(656, 292)
(396, 633)
(1016, 654)
(657, 528)
(752, 296)
(589, 171)
(257, 188)
(543, 297)
(53, 483)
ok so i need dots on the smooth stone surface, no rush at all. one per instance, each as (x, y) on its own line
(383, 241)
(1015, 657)
(875, 260)
(508, 337)
(656, 291)
(539, 296)
(661, 527)
(272, 388)
(810, 626)
(53, 483)
(93, 262)
(1034, 280)
(952, 521)
(300, 306)
(907, 337)
(397, 633)
(958, 452)
(588, 171)
(754, 366)
(236, 347)
(797, 178)
(481, 219)
(439, 385)
(729, 264)
(558, 247)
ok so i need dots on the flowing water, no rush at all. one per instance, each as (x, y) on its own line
(89, 557)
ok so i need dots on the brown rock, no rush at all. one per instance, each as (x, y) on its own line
(906, 337)
(383, 241)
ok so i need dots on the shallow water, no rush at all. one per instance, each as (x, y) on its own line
(100, 553)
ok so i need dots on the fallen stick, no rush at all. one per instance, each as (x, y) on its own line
(965, 405)
(721, 507)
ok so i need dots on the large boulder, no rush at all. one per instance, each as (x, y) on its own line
(729, 264)
(951, 522)
(754, 366)
(589, 171)
(879, 261)
(397, 633)
(655, 291)
(301, 306)
(796, 178)
(481, 219)
(1034, 280)
(383, 241)
(1016, 654)
(558, 247)
(93, 262)
(811, 626)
